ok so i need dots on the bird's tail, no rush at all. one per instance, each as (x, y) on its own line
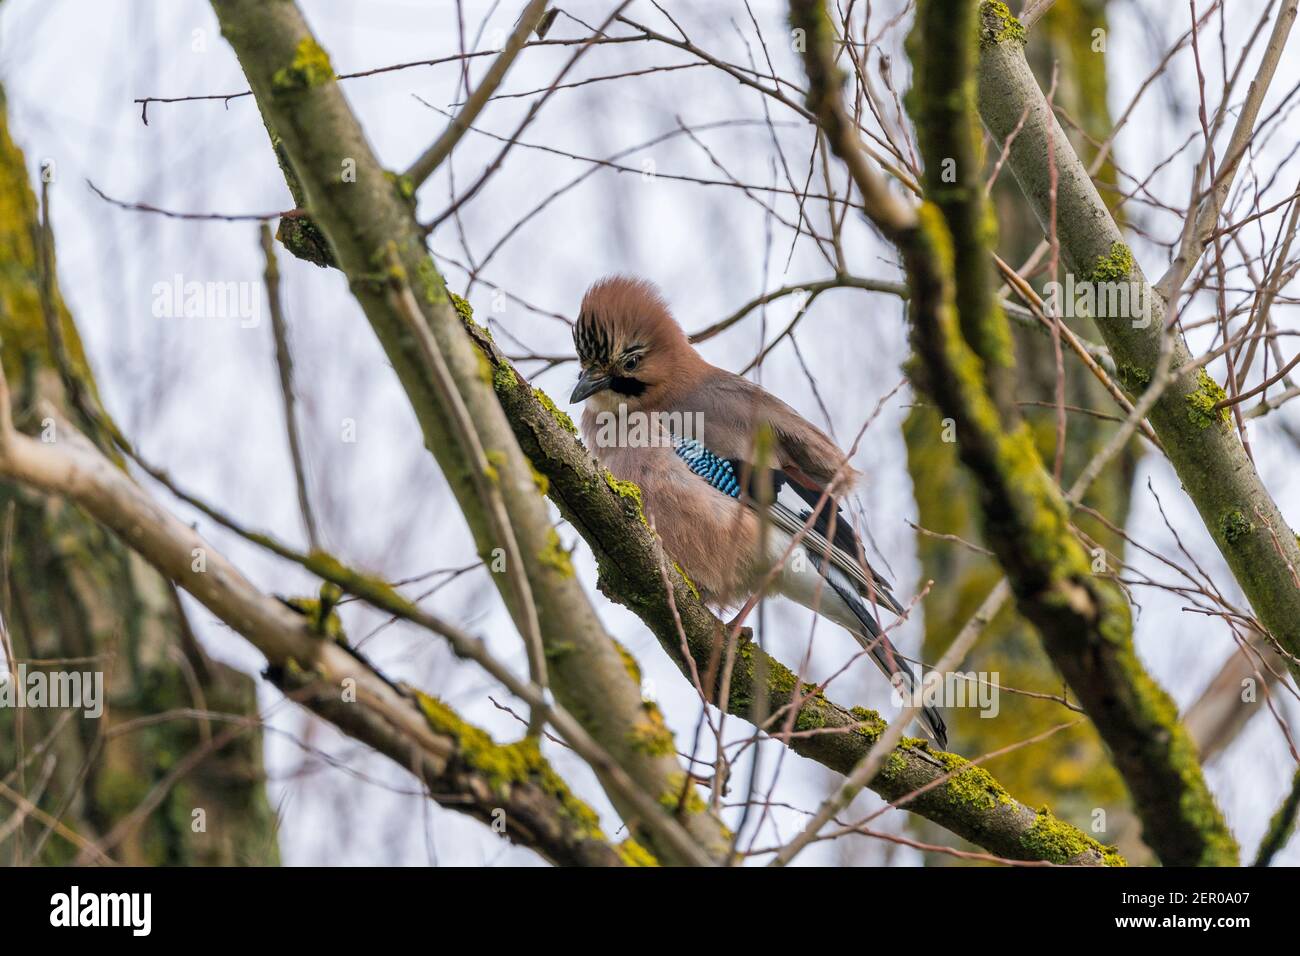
(892, 663)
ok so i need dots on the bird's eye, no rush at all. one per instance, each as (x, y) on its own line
(631, 362)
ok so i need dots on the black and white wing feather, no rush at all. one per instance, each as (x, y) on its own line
(815, 520)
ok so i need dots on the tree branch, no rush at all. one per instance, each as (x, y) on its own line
(369, 221)
(941, 787)
(460, 764)
(284, 369)
(432, 157)
(964, 361)
(1211, 463)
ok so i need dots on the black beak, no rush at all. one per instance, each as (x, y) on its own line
(589, 383)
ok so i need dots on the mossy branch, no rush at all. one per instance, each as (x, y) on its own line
(1206, 452)
(1281, 826)
(367, 216)
(961, 337)
(607, 513)
(962, 356)
(459, 764)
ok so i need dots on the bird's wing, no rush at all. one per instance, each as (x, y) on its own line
(832, 538)
(807, 469)
(736, 410)
(829, 540)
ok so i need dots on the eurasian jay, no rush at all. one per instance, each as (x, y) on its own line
(722, 521)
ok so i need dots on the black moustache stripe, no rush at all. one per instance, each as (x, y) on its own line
(624, 385)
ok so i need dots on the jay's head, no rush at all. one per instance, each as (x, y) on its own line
(630, 348)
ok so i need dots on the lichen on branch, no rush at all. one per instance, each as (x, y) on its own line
(958, 332)
(607, 514)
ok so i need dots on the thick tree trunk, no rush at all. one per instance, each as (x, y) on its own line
(74, 599)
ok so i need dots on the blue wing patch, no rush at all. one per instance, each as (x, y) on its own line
(718, 472)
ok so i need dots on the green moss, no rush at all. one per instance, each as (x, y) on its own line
(502, 764)
(970, 785)
(810, 718)
(431, 284)
(556, 412)
(681, 795)
(496, 462)
(871, 724)
(894, 766)
(998, 25)
(555, 557)
(1200, 403)
(1133, 377)
(651, 736)
(558, 649)
(310, 68)
(629, 491)
(503, 378)
(462, 307)
(465, 312)
(576, 811)
(634, 854)
(484, 369)
(320, 612)
(507, 764)
(629, 663)
(687, 578)
(1115, 267)
(541, 481)
(1055, 841)
(405, 187)
(367, 586)
(1111, 856)
(1234, 526)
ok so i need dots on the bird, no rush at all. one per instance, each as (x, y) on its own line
(691, 436)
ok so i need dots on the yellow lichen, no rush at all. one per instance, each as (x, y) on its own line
(556, 412)
(1201, 403)
(555, 557)
(629, 491)
(998, 24)
(310, 68)
(634, 854)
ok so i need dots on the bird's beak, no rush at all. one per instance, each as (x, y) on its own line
(590, 382)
